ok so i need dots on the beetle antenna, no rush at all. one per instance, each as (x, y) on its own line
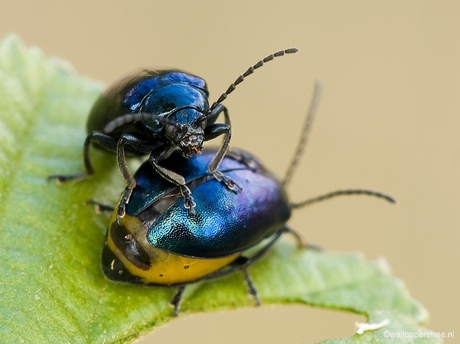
(139, 116)
(342, 193)
(251, 70)
(306, 130)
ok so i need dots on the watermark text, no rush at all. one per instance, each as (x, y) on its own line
(418, 334)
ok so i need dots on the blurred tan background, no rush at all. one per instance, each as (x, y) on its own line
(388, 120)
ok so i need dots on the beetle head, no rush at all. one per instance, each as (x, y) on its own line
(188, 136)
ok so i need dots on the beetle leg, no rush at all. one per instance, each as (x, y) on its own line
(242, 262)
(228, 182)
(100, 207)
(130, 181)
(301, 243)
(139, 146)
(95, 137)
(249, 160)
(252, 290)
(189, 202)
(212, 131)
(176, 299)
(174, 178)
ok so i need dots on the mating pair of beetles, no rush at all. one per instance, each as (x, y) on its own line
(186, 215)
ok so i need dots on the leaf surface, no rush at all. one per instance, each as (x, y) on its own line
(51, 285)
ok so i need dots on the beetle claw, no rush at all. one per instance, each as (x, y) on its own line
(190, 206)
(228, 182)
(189, 202)
(121, 212)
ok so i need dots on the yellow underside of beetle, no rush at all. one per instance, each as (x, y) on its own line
(168, 268)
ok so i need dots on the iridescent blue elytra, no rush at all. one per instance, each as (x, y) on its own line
(158, 243)
(226, 222)
(136, 94)
(154, 92)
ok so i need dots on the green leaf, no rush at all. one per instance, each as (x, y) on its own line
(52, 288)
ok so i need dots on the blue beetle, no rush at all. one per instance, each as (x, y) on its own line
(156, 243)
(156, 220)
(157, 112)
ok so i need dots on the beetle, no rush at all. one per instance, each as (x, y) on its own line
(156, 112)
(156, 243)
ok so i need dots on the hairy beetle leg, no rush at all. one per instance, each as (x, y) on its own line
(228, 182)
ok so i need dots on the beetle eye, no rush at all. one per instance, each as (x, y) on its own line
(173, 132)
(170, 131)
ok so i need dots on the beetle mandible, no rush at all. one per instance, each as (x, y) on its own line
(157, 112)
(158, 244)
